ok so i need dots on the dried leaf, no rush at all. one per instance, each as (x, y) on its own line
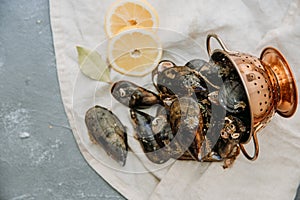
(92, 65)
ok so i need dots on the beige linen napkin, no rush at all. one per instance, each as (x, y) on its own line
(247, 26)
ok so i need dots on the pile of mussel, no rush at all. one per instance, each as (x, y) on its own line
(205, 111)
(202, 114)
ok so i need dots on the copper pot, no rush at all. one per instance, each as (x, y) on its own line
(269, 84)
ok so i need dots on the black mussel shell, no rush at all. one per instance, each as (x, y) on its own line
(196, 64)
(232, 96)
(162, 65)
(105, 129)
(133, 96)
(209, 71)
(151, 147)
(180, 80)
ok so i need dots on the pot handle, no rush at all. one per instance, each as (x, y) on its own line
(256, 148)
(213, 35)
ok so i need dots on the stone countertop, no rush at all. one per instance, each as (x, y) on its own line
(39, 157)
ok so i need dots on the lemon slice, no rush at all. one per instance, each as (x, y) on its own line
(130, 13)
(134, 52)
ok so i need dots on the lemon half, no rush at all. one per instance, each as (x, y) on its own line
(134, 52)
(130, 13)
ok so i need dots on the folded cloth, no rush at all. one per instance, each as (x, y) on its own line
(246, 26)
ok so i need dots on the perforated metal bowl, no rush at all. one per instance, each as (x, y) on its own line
(269, 84)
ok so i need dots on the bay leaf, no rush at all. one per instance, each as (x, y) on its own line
(92, 65)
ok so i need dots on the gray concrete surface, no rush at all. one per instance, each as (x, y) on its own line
(39, 158)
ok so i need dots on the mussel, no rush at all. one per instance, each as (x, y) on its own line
(105, 129)
(134, 96)
(144, 134)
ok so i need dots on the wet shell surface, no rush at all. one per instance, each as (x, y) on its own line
(133, 96)
(232, 96)
(187, 125)
(105, 129)
(152, 149)
(181, 81)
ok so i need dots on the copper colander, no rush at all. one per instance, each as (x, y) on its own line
(269, 84)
